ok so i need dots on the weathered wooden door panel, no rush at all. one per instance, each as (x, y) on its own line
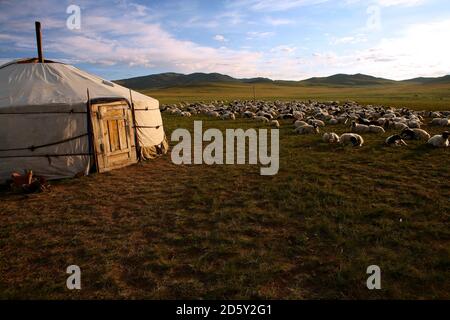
(113, 135)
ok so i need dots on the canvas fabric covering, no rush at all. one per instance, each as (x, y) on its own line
(43, 112)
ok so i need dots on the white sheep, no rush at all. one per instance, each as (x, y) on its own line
(213, 114)
(319, 123)
(440, 141)
(376, 129)
(300, 123)
(359, 128)
(443, 122)
(351, 138)
(275, 123)
(414, 124)
(343, 119)
(248, 114)
(176, 111)
(396, 125)
(330, 138)
(265, 114)
(415, 134)
(228, 115)
(308, 129)
(261, 119)
(298, 115)
(400, 126)
(333, 121)
(395, 140)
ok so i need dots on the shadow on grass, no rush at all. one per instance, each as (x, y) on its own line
(419, 152)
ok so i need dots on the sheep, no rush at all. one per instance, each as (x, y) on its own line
(435, 114)
(366, 122)
(415, 134)
(176, 111)
(376, 129)
(343, 119)
(395, 140)
(414, 124)
(262, 119)
(330, 138)
(275, 123)
(299, 123)
(308, 129)
(395, 124)
(213, 114)
(298, 115)
(248, 114)
(359, 128)
(228, 115)
(284, 116)
(440, 122)
(351, 138)
(440, 141)
(319, 123)
(400, 126)
(265, 114)
(333, 121)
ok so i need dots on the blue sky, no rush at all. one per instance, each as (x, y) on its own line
(279, 39)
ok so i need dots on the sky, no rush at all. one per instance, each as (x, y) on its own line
(278, 39)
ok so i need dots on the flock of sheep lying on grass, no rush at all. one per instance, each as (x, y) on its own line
(309, 117)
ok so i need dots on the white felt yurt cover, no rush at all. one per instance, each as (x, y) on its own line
(44, 103)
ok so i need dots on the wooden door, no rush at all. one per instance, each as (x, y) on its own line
(112, 128)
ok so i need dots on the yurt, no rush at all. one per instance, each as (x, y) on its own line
(61, 122)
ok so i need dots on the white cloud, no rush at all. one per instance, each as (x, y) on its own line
(274, 5)
(349, 39)
(259, 34)
(284, 48)
(220, 38)
(420, 50)
(278, 21)
(390, 3)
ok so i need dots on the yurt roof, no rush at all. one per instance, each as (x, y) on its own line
(26, 82)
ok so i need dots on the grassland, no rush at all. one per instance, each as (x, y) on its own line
(156, 230)
(415, 96)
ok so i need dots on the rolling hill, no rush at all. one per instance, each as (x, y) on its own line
(166, 80)
(170, 79)
(421, 80)
(347, 80)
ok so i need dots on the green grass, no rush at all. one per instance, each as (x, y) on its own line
(157, 230)
(415, 96)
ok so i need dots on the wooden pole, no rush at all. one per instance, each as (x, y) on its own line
(91, 135)
(136, 140)
(39, 41)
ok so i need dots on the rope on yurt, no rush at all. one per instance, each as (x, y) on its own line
(33, 148)
(44, 112)
(147, 109)
(148, 127)
(47, 155)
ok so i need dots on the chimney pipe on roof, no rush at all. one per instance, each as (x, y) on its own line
(39, 41)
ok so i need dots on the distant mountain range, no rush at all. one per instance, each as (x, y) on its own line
(165, 80)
